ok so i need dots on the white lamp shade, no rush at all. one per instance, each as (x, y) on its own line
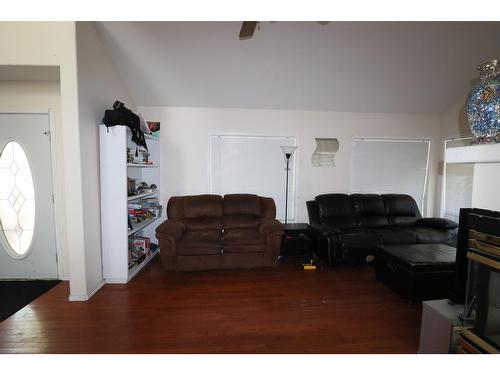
(288, 150)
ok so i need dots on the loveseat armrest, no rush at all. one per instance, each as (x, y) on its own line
(172, 228)
(325, 230)
(271, 226)
(437, 223)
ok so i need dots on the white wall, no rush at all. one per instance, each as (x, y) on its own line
(185, 145)
(99, 84)
(453, 124)
(486, 187)
(54, 44)
(40, 96)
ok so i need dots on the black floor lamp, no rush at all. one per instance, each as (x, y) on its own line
(288, 151)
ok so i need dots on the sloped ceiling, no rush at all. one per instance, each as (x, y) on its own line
(394, 67)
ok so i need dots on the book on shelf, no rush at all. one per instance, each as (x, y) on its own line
(142, 162)
(144, 209)
(144, 203)
(143, 191)
(138, 216)
(150, 202)
(134, 206)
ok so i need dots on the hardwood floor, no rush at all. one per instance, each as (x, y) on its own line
(282, 310)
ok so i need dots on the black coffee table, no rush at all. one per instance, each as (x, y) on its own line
(417, 272)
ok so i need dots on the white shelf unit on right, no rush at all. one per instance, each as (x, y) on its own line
(115, 172)
(474, 154)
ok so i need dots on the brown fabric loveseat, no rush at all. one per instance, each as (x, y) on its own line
(205, 232)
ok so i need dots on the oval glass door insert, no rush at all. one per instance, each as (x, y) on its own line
(17, 199)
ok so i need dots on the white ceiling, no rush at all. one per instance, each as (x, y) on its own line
(395, 67)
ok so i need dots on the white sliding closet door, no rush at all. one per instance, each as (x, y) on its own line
(252, 164)
(382, 166)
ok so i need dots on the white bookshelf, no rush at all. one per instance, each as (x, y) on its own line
(475, 154)
(114, 171)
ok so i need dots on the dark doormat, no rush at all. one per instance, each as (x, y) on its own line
(14, 295)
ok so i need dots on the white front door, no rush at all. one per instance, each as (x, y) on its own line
(27, 228)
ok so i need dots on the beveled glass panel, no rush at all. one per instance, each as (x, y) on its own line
(17, 198)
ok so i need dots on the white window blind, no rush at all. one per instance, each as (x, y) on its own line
(458, 181)
(255, 165)
(391, 166)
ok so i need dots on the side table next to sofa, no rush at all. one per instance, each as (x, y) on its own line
(296, 245)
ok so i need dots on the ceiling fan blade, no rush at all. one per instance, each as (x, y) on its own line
(247, 29)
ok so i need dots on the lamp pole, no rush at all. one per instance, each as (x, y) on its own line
(288, 151)
(287, 156)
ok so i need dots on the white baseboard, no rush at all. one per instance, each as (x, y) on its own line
(115, 281)
(86, 297)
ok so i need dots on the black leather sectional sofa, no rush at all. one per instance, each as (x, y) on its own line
(348, 228)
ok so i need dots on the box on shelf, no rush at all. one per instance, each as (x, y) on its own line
(154, 128)
(141, 243)
(138, 249)
(138, 156)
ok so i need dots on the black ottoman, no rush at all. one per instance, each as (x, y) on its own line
(417, 272)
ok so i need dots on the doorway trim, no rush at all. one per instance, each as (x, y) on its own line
(54, 167)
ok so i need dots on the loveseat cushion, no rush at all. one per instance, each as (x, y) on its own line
(241, 204)
(242, 236)
(204, 223)
(243, 240)
(201, 238)
(201, 206)
(241, 221)
(200, 243)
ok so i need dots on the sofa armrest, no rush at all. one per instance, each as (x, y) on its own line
(437, 223)
(324, 229)
(271, 226)
(171, 228)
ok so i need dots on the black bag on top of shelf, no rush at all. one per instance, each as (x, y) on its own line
(121, 115)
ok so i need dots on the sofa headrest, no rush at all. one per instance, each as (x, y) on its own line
(369, 204)
(241, 204)
(206, 205)
(334, 205)
(401, 205)
(371, 210)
